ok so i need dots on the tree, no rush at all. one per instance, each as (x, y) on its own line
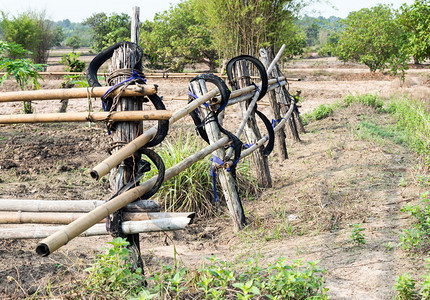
(243, 27)
(74, 42)
(23, 70)
(178, 37)
(372, 36)
(416, 20)
(108, 30)
(31, 30)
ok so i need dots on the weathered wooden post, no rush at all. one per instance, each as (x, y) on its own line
(228, 184)
(252, 134)
(124, 132)
(283, 97)
(280, 134)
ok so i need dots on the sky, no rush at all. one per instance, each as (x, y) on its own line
(79, 10)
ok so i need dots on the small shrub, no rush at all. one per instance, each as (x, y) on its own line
(417, 237)
(405, 287)
(323, 111)
(111, 272)
(357, 236)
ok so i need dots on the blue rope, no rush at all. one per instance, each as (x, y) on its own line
(195, 97)
(134, 75)
(215, 159)
(274, 122)
(277, 79)
(256, 87)
(246, 146)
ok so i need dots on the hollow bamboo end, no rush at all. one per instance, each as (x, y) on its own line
(42, 250)
(94, 174)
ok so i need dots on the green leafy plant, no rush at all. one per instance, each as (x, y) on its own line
(23, 70)
(405, 287)
(111, 272)
(357, 236)
(417, 237)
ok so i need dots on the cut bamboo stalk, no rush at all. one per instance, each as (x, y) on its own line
(71, 205)
(19, 217)
(69, 232)
(112, 161)
(129, 116)
(60, 94)
(128, 227)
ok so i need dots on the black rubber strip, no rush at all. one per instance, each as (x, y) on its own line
(156, 159)
(260, 67)
(269, 147)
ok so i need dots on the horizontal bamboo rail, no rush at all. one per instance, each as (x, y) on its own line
(147, 75)
(19, 217)
(75, 93)
(119, 116)
(128, 227)
(77, 227)
(71, 205)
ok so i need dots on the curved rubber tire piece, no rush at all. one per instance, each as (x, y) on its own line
(269, 147)
(156, 159)
(103, 56)
(258, 64)
(225, 96)
(163, 125)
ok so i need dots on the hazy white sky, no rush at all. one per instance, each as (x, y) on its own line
(78, 10)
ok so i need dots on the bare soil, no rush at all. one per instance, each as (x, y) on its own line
(332, 179)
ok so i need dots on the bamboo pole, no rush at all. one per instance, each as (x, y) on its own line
(71, 205)
(129, 116)
(147, 75)
(133, 91)
(109, 163)
(19, 217)
(69, 232)
(128, 227)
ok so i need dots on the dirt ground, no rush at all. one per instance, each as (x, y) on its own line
(332, 179)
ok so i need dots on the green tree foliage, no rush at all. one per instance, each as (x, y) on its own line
(372, 36)
(416, 20)
(242, 27)
(70, 29)
(178, 37)
(108, 30)
(23, 70)
(31, 30)
(74, 42)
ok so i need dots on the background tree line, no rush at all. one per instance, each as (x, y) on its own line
(209, 31)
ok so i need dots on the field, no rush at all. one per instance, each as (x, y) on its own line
(334, 178)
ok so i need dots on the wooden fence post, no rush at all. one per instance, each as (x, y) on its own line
(283, 98)
(227, 181)
(280, 135)
(124, 132)
(252, 134)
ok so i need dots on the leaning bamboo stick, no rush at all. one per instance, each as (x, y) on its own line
(19, 217)
(60, 94)
(112, 161)
(128, 227)
(71, 205)
(67, 233)
(128, 116)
